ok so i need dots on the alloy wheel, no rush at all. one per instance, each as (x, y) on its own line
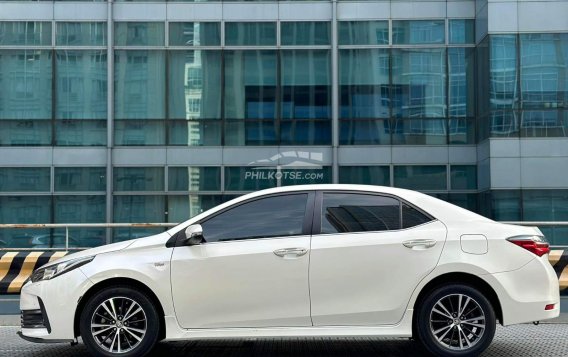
(118, 325)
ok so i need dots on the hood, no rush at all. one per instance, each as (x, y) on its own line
(93, 251)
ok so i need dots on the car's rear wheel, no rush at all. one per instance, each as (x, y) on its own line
(455, 320)
(119, 321)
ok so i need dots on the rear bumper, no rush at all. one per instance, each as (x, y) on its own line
(524, 293)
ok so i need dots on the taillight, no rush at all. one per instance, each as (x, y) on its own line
(534, 244)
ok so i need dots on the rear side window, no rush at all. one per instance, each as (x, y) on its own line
(350, 212)
(412, 217)
(276, 216)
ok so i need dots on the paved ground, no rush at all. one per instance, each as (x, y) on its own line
(517, 341)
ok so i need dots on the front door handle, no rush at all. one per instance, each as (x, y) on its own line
(290, 252)
(418, 244)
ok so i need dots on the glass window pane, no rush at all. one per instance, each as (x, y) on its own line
(137, 209)
(305, 33)
(365, 175)
(25, 132)
(462, 31)
(25, 179)
(139, 33)
(250, 84)
(139, 84)
(25, 84)
(306, 84)
(81, 84)
(545, 123)
(506, 205)
(281, 216)
(301, 176)
(504, 123)
(461, 77)
(81, 34)
(544, 70)
(461, 131)
(195, 34)
(419, 83)
(23, 209)
(418, 32)
(420, 132)
(463, 177)
(421, 177)
(80, 179)
(181, 208)
(250, 33)
(364, 83)
(412, 217)
(363, 33)
(503, 91)
(28, 33)
(194, 133)
(347, 212)
(364, 132)
(82, 132)
(469, 201)
(139, 132)
(194, 178)
(249, 178)
(77, 209)
(194, 84)
(138, 179)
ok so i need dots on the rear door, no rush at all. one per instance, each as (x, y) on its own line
(368, 253)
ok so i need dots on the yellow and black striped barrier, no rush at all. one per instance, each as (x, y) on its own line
(16, 267)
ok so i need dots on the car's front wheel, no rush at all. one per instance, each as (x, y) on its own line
(119, 321)
(455, 320)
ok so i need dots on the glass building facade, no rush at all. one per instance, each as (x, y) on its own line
(155, 111)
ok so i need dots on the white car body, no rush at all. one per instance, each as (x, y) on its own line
(348, 284)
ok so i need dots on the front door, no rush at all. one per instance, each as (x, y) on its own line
(370, 254)
(252, 269)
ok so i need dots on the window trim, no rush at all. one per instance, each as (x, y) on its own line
(316, 222)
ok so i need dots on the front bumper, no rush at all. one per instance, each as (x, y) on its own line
(48, 307)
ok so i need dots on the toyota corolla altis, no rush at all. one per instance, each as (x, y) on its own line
(318, 260)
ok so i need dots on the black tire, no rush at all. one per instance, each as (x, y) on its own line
(442, 345)
(125, 296)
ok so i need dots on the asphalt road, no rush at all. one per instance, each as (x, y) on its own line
(513, 341)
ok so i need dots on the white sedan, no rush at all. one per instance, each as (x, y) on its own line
(317, 260)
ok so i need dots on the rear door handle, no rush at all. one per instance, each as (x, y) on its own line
(290, 252)
(418, 244)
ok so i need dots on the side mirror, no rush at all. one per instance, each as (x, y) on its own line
(194, 235)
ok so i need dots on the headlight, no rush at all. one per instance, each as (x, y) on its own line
(54, 270)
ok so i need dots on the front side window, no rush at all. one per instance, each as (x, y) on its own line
(277, 216)
(349, 212)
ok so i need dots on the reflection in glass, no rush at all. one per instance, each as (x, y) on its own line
(25, 179)
(250, 33)
(419, 83)
(461, 81)
(461, 131)
(139, 132)
(23, 209)
(503, 90)
(544, 71)
(84, 132)
(461, 31)
(468, 201)
(195, 34)
(363, 33)
(81, 34)
(504, 123)
(414, 32)
(365, 175)
(80, 179)
(250, 178)
(544, 123)
(139, 33)
(364, 83)
(194, 178)
(79, 209)
(305, 176)
(138, 179)
(25, 84)
(181, 208)
(547, 205)
(25, 132)
(463, 177)
(431, 177)
(139, 84)
(81, 84)
(364, 132)
(194, 133)
(506, 205)
(305, 33)
(28, 33)
(137, 209)
(419, 132)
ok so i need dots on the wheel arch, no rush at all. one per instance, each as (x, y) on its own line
(458, 278)
(119, 282)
